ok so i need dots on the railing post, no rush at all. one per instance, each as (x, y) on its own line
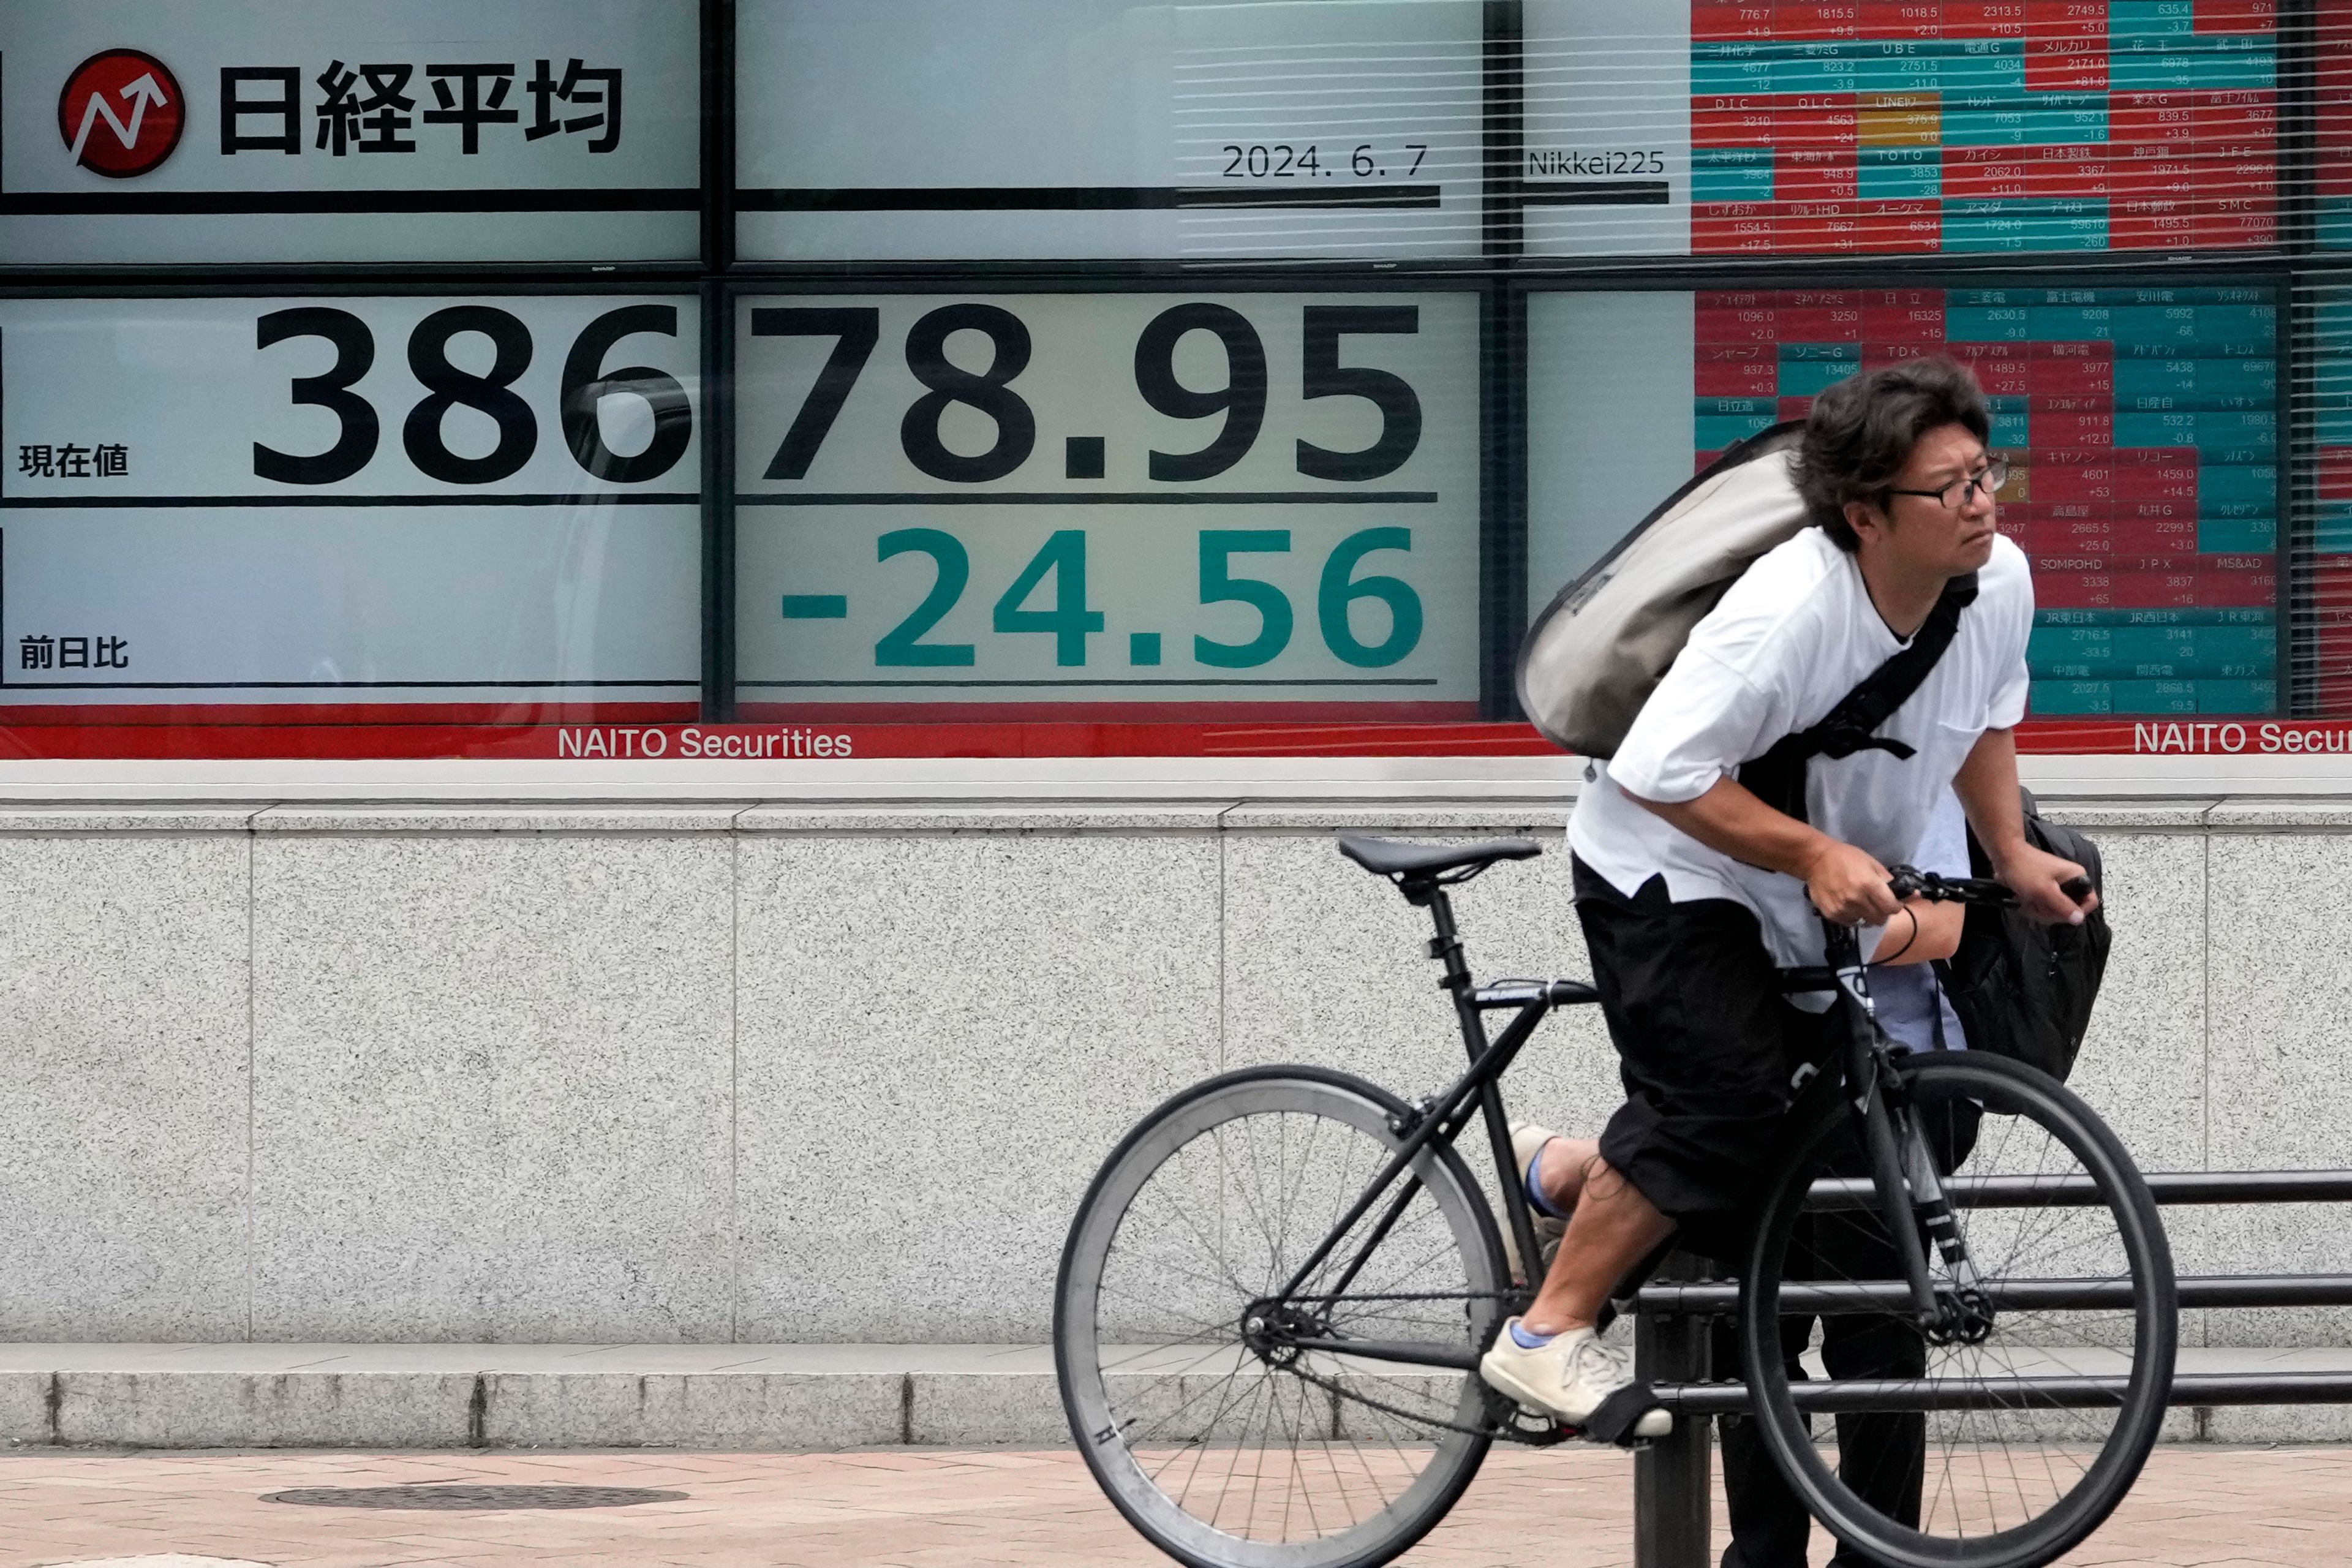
(1673, 1495)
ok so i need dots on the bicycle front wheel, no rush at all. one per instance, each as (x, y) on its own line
(2004, 1444)
(1224, 1447)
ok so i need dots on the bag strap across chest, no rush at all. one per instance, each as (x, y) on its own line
(1777, 777)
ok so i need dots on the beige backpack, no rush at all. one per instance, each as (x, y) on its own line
(1594, 655)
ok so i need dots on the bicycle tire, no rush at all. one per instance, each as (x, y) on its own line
(1992, 1403)
(1128, 1411)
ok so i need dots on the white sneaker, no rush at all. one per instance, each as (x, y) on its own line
(1567, 1376)
(1527, 1141)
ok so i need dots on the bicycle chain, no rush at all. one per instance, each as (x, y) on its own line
(1504, 1426)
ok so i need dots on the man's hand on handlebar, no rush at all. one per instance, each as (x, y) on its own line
(2040, 880)
(1849, 887)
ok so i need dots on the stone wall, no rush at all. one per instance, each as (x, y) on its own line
(701, 1071)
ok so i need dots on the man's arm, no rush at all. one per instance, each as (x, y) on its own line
(1987, 785)
(1845, 884)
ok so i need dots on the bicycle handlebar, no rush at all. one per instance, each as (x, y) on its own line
(1910, 882)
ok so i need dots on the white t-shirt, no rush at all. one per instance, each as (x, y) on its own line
(1785, 645)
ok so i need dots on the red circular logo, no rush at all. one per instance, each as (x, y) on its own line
(120, 113)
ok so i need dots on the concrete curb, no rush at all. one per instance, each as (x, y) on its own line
(741, 1397)
(730, 1397)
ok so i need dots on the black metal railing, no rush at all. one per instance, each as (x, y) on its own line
(1672, 1513)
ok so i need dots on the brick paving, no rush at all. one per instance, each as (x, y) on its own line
(2197, 1507)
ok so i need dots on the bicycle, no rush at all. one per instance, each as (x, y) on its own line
(1275, 1294)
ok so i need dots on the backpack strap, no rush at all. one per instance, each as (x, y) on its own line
(1777, 777)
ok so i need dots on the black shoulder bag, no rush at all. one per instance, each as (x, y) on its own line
(2021, 989)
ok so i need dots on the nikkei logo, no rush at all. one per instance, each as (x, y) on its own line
(120, 113)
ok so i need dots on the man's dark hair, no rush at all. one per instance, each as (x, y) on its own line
(1862, 430)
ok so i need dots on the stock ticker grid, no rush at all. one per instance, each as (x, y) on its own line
(2042, 125)
(2142, 429)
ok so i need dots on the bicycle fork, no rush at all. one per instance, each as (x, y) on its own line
(1912, 1201)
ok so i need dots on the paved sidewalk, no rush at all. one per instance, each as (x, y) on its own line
(2197, 1507)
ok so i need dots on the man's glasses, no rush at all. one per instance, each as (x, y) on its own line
(1960, 492)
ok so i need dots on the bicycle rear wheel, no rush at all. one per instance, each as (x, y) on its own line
(1226, 1449)
(2024, 1440)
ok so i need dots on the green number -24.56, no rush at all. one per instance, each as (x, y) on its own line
(1068, 621)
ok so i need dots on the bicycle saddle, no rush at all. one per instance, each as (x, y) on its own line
(1394, 857)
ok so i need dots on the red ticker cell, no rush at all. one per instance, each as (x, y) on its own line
(2070, 378)
(1734, 378)
(1732, 227)
(1713, 23)
(2248, 116)
(2237, 583)
(1812, 19)
(1977, 20)
(2070, 429)
(1743, 122)
(2235, 16)
(1820, 175)
(2134, 174)
(2074, 590)
(2097, 350)
(1901, 19)
(1825, 226)
(2156, 473)
(2155, 118)
(1818, 317)
(2073, 476)
(1972, 173)
(2149, 225)
(2331, 590)
(2064, 65)
(1748, 324)
(1819, 125)
(2335, 473)
(2222, 230)
(1794, 408)
(1900, 226)
(2066, 19)
(1916, 325)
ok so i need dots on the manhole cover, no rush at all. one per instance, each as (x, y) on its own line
(465, 1497)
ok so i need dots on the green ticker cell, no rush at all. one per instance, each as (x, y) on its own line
(2152, 696)
(1713, 432)
(2152, 699)
(2332, 229)
(1811, 378)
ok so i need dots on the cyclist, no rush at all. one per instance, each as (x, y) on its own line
(1882, 1455)
(1693, 892)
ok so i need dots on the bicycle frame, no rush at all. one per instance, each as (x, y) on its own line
(1908, 1192)
(1444, 1118)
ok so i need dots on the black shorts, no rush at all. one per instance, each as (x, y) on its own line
(1706, 1043)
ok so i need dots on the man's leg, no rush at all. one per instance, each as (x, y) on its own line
(1769, 1527)
(1882, 1458)
(1694, 1007)
(1613, 1228)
